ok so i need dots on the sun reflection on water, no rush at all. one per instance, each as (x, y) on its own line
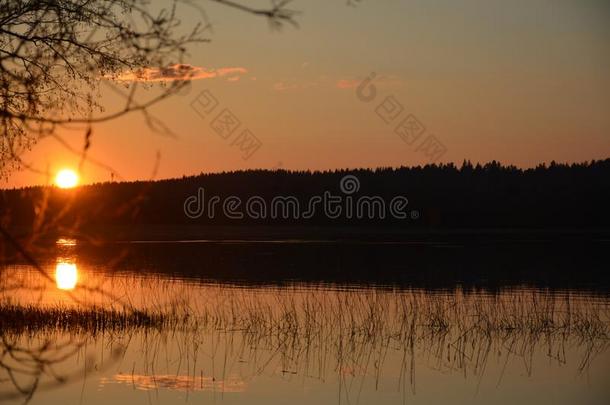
(66, 275)
(66, 242)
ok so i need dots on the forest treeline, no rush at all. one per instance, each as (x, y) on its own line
(443, 196)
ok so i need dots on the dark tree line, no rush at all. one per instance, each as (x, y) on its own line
(442, 196)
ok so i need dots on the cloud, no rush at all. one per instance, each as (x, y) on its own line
(178, 72)
(347, 84)
(177, 382)
(293, 85)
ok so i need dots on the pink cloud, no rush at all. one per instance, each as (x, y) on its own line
(178, 72)
(293, 85)
(347, 84)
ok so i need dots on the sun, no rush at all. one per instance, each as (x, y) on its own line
(66, 178)
(66, 275)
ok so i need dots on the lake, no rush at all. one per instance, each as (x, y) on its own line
(288, 321)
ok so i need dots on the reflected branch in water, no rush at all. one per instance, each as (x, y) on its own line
(362, 336)
(293, 331)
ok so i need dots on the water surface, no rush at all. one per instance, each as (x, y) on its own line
(304, 323)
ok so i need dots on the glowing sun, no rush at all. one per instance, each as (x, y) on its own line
(66, 178)
(66, 275)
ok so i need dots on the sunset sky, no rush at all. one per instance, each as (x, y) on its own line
(521, 82)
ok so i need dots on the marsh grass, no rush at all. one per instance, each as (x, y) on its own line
(458, 330)
(333, 331)
(91, 320)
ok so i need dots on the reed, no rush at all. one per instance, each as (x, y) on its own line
(348, 332)
(34, 319)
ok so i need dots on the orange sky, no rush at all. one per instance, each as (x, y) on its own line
(521, 82)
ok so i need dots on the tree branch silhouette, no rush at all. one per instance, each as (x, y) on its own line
(55, 55)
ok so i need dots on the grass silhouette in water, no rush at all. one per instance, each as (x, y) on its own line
(31, 318)
(329, 330)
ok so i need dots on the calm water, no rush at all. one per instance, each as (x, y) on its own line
(312, 323)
